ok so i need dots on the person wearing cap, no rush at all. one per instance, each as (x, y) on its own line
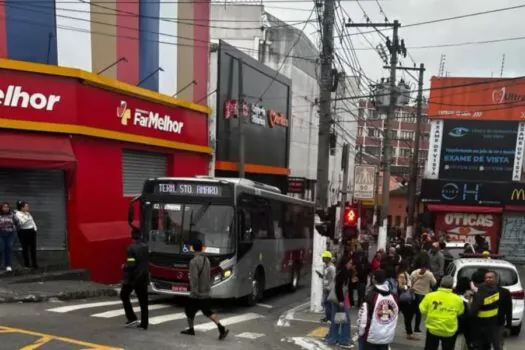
(442, 309)
(328, 276)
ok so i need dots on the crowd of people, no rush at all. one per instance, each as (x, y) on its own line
(17, 223)
(409, 280)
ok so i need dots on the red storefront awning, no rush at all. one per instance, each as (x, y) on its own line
(463, 208)
(25, 150)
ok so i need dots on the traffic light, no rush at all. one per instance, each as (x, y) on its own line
(350, 217)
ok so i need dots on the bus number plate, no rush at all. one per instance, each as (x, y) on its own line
(179, 289)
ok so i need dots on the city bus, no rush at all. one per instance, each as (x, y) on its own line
(255, 237)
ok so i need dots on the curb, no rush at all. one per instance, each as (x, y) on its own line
(74, 295)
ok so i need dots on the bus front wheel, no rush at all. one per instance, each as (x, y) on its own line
(257, 289)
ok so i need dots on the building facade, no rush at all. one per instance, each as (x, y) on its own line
(370, 136)
(291, 53)
(88, 115)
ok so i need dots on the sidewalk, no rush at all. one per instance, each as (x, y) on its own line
(39, 286)
(304, 329)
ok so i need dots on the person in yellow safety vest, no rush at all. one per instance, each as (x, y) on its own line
(442, 309)
(484, 314)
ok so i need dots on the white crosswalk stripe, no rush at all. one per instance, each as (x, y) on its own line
(121, 312)
(76, 307)
(113, 309)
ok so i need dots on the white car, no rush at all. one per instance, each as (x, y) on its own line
(508, 275)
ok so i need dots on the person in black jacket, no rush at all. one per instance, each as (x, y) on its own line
(363, 270)
(484, 312)
(504, 313)
(136, 278)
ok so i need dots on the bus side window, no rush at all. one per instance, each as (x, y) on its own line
(261, 220)
(245, 229)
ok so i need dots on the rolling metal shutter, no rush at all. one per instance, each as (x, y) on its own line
(137, 167)
(45, 192)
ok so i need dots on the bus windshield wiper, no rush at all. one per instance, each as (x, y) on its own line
(195, 220)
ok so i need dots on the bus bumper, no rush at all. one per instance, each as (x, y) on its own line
(225, 289)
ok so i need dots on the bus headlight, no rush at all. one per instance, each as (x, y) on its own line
(224, 275)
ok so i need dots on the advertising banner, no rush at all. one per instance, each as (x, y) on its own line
(464, 227)
(472, 150)
(265, 111)
(518, 156)
(296, 184)
(477, 98)
(78, 107)
(434, 149)
(364, 183)
(463, 192)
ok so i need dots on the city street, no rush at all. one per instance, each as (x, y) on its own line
(98, 324)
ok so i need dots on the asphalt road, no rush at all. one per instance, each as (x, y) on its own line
(98, 324)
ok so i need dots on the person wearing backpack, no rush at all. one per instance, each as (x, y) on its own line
(200, 287)
(378, 316)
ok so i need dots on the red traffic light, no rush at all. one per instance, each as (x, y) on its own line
(350, 217)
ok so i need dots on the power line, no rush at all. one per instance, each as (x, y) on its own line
(445, 19)
(289, 52)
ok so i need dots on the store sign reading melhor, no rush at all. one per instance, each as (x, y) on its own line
(15, 97)
(148, 119)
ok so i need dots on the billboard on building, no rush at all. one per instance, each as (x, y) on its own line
(364, 181)
(477, 98)
(265, 110)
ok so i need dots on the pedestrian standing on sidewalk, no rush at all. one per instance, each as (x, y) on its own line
(363, 269)
(7, 235)
(136, 278)
(378, 316)
(505, 313)
(422, 281)
(328, 276)
(442, 309)
(200, 287)
(339, 332)
(437, 262)
(26, 234)
(406, 299)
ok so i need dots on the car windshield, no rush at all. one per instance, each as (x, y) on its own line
(507, 276)
(173, 228)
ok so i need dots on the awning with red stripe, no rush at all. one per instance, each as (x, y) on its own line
(29, 150)
(463, 208)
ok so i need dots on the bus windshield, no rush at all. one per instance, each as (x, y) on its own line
(173, 227)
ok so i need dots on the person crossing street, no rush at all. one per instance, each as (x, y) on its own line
(200, 287)
(136, 278)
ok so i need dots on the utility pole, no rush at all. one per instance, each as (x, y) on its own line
(240, 115)
(323, 147)
(394, 48)
(344, 190)
(412, 184)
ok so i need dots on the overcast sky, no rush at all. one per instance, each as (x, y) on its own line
(470, 60)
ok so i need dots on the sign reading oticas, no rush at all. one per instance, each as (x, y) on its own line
(148, 119)
(466, 219)
(15, 96)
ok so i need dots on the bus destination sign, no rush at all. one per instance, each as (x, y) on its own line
(191, 189)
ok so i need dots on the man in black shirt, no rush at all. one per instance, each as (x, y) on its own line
(136, 278)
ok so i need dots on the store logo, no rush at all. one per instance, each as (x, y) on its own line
(148, 119)
(458, 132)
(518, 195)
(452, 191)
(123, 113)
(501, 95)
(276, 118)
(14, 96)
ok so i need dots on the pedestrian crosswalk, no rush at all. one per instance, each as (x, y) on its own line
(159, 313)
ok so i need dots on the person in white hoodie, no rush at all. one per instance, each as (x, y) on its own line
(377, 318)
(26, 234)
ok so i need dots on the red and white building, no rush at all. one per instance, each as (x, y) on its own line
(370, 130)
(78, 146)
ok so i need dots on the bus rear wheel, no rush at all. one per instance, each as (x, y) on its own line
(296, 278)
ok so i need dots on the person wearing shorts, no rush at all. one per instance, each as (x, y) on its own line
(200, 286)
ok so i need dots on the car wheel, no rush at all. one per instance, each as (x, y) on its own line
(515, 331)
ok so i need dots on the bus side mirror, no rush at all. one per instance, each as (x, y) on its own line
(131, 212)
